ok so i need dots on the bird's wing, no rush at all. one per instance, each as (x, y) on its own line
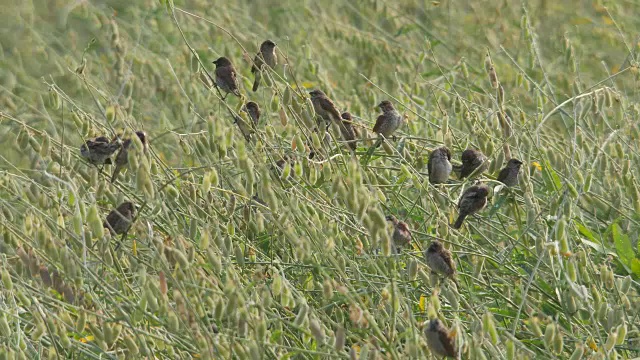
(503, 174)
(448, 342)
(228, 75)
(379, 122)
(447, 259)
(430, 162)
(329, 106)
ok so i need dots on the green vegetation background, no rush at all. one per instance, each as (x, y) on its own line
(549, 269)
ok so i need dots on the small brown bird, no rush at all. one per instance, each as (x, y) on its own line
(349, 132)
(471, 160)
(440, 260)
(440, 340)
(253, 110)
(389, 121)
(473, 200)
(122, 159)
(401, 235)
(266, 56)
(324, 108)
(509, 175)
(119, 220)
(439, 165)
(226, 77)
(98, 151)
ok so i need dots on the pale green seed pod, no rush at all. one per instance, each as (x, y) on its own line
(488, 325)
(81, 322)
(609, 282)
(327, 289)
(387, 148)
(95, 224)
(511, 350)
(5, 329)
(452, 298)
(412, 269)
(25, 301)
(95, 331)
(611, 341)
(549, 335)
(6, 280)
(301, 316)
(603, 273)
(364, 352)
(577, 353)
(571, 270)
(239, 256)
(625, 284)
(602, 312)
(317, 331)
(64, 339)
(130, 343)
(173, 324)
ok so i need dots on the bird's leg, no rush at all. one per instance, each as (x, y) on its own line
(121, 241)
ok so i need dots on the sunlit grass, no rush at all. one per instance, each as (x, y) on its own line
(230, 257)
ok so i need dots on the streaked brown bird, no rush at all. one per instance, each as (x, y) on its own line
(440, 260)
(119, 220)
(266, 56)
(473, 200)
(439, 165)
(401, 234)
(389, 121)
(509, 175)
(349, 132)
(440, 340)
(122, 159)
(324, 108)
(253, 110)
(226, 77)
(98, 151)
(471, 160)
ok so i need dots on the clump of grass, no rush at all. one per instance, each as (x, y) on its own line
(249, 249)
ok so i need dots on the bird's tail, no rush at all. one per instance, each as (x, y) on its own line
(116, 171)
(459, 221)
(256, 82)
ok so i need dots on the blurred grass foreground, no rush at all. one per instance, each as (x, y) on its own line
(230, 256)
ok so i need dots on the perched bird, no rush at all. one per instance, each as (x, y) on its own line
(349, 132)
(99, 150)
(509, 175)
(439, 260)
(325, 108)
(119, 220)
(473, 200)
(266, 56)
(439, 165)
(471, 160)
(226, 78)
(440, 340)
(389, 121)
(253, 110)
(401, 235)
(122, 159)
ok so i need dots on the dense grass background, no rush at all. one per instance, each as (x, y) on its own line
(549, 269)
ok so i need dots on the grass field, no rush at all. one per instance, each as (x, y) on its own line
(549, 269)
